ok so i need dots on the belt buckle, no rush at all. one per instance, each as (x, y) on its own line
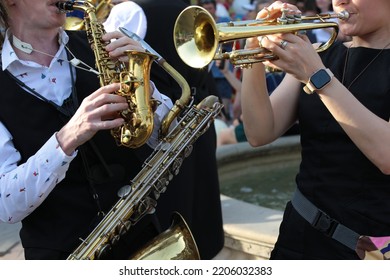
(325, 224)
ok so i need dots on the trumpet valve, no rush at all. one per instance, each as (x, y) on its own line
(287, 18)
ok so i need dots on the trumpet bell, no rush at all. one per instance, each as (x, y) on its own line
(192, 27)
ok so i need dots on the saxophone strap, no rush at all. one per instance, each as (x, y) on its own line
(70, 104)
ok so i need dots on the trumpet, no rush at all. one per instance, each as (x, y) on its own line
(198, 38)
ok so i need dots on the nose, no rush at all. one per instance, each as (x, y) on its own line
(339, 3)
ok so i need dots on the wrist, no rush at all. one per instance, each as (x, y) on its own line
(318, 81)
(65, 142)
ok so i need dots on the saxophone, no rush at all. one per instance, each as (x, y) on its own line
(134, 81)
(139, 198)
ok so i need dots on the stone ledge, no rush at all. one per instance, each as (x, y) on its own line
(250, 230)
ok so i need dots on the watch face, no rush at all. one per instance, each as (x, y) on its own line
(320, 79)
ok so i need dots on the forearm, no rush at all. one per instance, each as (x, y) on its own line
(257, 111)
(23, 188)
(370, 133)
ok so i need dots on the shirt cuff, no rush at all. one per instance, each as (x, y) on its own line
(54, 157)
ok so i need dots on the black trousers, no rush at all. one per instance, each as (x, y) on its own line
(127, 245)
(298, 240)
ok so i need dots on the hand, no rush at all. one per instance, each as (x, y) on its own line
(274, 11)
(295, 53)
(296, 56)
(119, 43)
(270, 14)
(98, 111)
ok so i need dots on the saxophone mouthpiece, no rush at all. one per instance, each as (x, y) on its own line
(65, 6)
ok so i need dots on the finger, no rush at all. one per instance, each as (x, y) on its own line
(109, 99)
(101, 97)
(105, 112)
(275, 10)
(273, 64)
(111, 35)
(108, 124)
(111, 88)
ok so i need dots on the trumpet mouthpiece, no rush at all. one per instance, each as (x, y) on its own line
(344, 15)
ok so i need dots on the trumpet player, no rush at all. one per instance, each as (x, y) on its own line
(340, 97)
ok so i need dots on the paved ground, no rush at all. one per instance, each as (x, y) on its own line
(10, 246)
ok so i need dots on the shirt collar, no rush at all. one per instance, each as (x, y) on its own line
(8, 55)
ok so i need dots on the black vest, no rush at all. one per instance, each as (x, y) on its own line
(194, 192)
(69, 211)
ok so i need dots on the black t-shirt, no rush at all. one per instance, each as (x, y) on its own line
(334, 174)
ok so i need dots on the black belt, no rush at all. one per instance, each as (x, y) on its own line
(323, 223)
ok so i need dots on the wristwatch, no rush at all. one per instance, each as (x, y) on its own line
(318, 80)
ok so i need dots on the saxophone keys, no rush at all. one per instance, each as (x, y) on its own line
(176, 166)
(124, 227)
(161, 185)
(188, 150)
(103, 251)
(114, 239)
(125, 136)
(124, 191)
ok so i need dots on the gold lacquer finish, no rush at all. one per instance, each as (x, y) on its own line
(176, 243)
(198, 38)
(134, 80)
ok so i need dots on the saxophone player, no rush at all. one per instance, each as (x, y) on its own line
(60, 167)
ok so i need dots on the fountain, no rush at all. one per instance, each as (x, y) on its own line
(255, 185)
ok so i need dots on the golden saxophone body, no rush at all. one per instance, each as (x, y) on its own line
(134, 79)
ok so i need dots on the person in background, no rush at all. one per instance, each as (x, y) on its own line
(222, 10)
(60, 168)
(127, 14)
(194, 192)
(323, 34)
(117, 13)
(340, 97)
(238, 8)
(233, 133)
(224, 88)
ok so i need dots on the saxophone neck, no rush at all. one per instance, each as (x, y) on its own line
(181, 103)
(69, 6)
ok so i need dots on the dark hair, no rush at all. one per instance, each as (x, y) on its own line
(203, 2)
